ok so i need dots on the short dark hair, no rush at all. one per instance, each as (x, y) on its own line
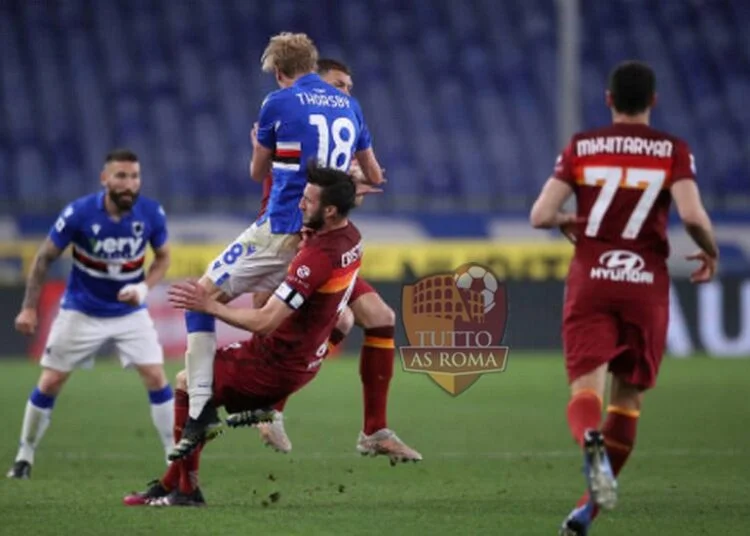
(632, 85)
(328, 64)
(120, 155)
(337, 188)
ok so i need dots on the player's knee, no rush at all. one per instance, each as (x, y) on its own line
(625, 395)
(51, 381)
(371, 311)
(180, 381)
(386, 315)
(346, 321)
(153, 376)
(379, 315)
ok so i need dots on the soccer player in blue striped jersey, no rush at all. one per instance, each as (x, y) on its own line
(306, 119)
(104, 300)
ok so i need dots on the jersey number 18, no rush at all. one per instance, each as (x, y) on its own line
(341, 132)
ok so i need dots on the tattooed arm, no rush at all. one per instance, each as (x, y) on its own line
(26, 320)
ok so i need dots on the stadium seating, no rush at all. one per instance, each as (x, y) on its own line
(460, 96)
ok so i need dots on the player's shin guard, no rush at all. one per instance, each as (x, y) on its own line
(199, 359)
(584, 413)
(189, 472)
(162, 414)
(36, 419)
(619, 435)
(376, 370)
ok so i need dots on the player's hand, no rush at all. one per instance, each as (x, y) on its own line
(570, 227)
(355, 171)
(189, 295)
(706, 271)
(364, 188)
(26, 321)
(133, 294)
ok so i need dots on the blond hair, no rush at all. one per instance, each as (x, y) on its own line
(291, 54)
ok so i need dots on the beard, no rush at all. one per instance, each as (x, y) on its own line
(124, 201)
(314, 221)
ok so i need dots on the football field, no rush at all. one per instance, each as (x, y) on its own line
(498, 459)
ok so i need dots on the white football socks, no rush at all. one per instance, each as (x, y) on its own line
(35, 423)
(199, 363)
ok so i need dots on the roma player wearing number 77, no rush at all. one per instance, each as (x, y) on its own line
(616, 310)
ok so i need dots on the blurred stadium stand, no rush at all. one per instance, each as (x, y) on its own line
(460, 96)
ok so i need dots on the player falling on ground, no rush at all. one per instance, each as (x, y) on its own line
(368, 310)
(617, 296)
(276, 361)
(307, 119)
(104, 298)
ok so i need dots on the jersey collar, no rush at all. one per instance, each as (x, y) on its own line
(307, 79)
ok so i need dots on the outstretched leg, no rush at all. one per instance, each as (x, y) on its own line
(376, 370)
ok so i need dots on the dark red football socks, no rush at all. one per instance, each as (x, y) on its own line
(376, 371)
(619, 436)
(584, 413)
(189, 471)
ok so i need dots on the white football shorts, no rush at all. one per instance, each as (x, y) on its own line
(256, 261)
(75, 338)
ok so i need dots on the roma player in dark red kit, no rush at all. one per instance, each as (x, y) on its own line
(252, 376)
(616, 309)
(368, 310)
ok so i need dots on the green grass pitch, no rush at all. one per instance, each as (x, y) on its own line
(498, 459)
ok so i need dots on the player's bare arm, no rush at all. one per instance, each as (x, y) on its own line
(546, 212)
(192, 296)
(370, 167)
(260, 164)
(47, 254)
(694, 217)
(159, 266)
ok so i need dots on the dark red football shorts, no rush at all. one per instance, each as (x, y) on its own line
(245, 381)
(630, 335)
(361, 287)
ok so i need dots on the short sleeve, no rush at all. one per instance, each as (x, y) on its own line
(683, 163)
(65, 227)
(159, 233)
(564, 166)
(309, 270)
(364, 140)
(267, 121)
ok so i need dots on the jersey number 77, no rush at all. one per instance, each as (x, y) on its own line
(610, 179)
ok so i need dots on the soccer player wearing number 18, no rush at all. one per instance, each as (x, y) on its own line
(616, 308)
(306, 119)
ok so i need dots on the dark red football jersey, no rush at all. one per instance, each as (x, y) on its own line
(621, 176)
(319, 282)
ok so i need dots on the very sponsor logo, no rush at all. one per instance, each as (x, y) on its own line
(622, 266)
(122, 246)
